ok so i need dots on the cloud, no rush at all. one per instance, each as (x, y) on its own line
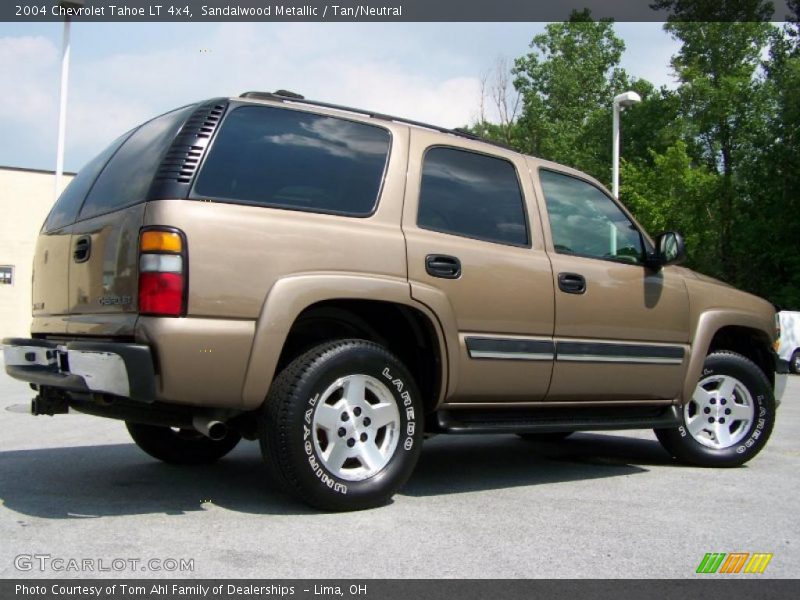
(26, 64)
(112, 92)
(124, 74)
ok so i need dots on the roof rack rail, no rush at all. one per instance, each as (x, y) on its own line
(287, 96)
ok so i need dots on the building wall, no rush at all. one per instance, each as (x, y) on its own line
(26, 197)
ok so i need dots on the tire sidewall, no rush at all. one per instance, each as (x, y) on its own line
(763, 409)
(309, 468)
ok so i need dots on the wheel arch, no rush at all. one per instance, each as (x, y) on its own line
(736, 331)
(301, 311)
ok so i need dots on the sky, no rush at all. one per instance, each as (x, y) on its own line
(122, 74)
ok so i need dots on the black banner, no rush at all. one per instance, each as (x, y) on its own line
(733, 588)
(345, 10)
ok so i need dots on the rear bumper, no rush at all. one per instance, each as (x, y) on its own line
(118, 369)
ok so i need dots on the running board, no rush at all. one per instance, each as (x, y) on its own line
(549, 420)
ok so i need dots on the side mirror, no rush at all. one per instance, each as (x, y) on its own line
(670, 249)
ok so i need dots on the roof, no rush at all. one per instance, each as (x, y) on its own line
(292, 97)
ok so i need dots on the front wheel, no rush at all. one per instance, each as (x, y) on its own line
(181, 446)
(729, 417)
(795, 362)
(341, 428)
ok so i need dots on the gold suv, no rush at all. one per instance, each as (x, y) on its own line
(337, 284)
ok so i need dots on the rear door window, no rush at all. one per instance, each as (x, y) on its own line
(296, 160)
(472, 195)
(127, 177)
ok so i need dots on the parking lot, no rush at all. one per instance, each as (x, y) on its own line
(595, 505)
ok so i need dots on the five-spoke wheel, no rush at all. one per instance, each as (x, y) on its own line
(342, 426)
(356, 426)
(729, 417)
(720, 413)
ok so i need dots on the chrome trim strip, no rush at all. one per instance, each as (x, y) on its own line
(511, 355)
(619, 359)
(487, 346)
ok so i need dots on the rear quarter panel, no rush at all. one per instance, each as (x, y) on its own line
(237, 254)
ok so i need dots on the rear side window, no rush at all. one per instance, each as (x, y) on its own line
(472, 195)
(66, 209)
(301, 161)
(127, 177)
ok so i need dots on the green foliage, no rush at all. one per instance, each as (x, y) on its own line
(717, 159)
(566, 83)
(769, 222)
(669, 193)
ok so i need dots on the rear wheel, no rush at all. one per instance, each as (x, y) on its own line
(181, 446)
(341, 428)
(729, 417)
(795, 362)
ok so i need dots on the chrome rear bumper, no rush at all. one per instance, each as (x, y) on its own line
(118, 369)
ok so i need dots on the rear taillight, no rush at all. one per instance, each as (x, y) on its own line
(162, 272)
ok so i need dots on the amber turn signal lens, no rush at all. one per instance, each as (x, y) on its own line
(160, 241)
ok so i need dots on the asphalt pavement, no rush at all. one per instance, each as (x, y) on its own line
(74, 488)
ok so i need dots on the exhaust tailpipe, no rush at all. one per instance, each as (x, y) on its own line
(215, 430)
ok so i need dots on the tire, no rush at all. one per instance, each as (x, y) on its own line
(794, 363)
(549, 436)
(181, 446)
(342, 426)
(711, 435)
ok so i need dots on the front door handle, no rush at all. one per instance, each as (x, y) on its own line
(442, 265)
(571, 283)
(83, 249)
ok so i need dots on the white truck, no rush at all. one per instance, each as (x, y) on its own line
(790, 338)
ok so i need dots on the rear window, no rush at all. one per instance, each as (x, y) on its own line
(127, 177)
(300, 161)
(66, 209)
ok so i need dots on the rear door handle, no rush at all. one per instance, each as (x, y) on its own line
(442, 265)
(571, 283)
(83, 249)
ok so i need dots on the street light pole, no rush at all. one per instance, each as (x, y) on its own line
(621, 101)
(62, 106)
(62, 101)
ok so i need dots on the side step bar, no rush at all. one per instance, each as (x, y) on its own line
(547, 419)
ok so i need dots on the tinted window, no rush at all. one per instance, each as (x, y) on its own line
(65, 210)
(127, 177)
(584, 221)
(471, 195)
(296, 160)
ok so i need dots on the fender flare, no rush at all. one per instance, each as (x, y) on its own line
(290, 296)
(708, 324)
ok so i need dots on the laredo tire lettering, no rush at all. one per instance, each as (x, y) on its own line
(410, 425)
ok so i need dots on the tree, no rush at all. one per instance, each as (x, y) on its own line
(721, 93)
(669, 192)
(567, 84)
(504, 100)
(770, 226)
